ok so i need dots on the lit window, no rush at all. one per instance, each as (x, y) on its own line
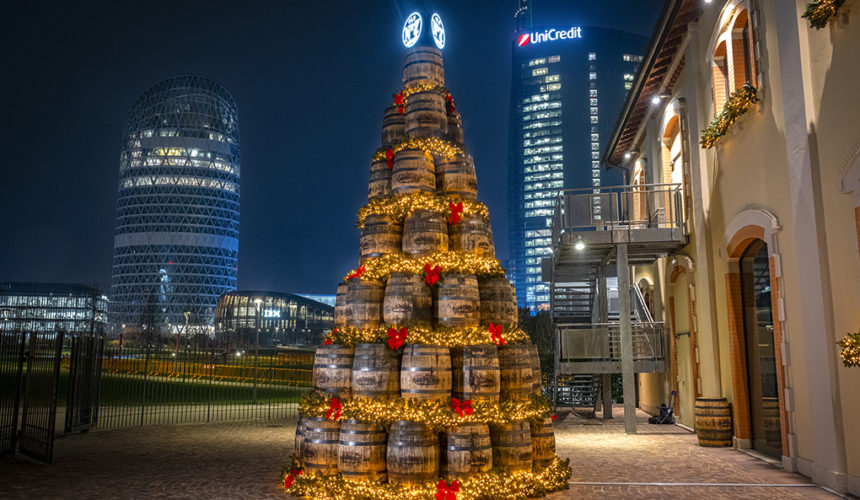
(554, 59)
(592, 56)
(593, 119)
(631, 58)
(554, 86)
(592, 93)
(539, 71)
(536, 62)
(595, 155)
(628, 85)
(552, 78)
(592, 75)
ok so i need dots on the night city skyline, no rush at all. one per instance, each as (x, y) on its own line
(301, 125)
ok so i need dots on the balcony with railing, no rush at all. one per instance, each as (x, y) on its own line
(596, 347)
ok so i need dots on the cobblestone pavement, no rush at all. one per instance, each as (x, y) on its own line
(244, 460)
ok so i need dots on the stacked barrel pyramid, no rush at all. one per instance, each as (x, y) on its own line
(426, 386)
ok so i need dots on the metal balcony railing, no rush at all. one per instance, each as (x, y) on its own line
(602, 342)
(638, 206)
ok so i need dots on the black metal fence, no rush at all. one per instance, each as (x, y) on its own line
(39, 407)
(11, 368)
(207, 383)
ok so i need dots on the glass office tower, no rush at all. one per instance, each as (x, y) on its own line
(177, 219)
(568, 86)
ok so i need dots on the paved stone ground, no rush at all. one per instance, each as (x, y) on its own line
(243, 460)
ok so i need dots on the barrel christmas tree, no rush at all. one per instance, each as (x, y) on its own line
(425, 388)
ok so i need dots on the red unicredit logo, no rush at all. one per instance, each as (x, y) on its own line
(523, 40)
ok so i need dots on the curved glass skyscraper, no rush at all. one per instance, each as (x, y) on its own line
(177, 218)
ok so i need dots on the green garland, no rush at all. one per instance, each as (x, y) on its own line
(820, 12)
(850, 349)
(739, 102)
(450, 337)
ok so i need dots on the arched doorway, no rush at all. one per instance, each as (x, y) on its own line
(760, 350)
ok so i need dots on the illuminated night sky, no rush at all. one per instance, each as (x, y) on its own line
(311, 80)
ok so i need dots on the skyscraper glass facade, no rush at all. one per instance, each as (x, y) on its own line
(568, 85)
(177, 219)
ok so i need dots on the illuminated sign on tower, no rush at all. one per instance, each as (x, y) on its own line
(549, 35)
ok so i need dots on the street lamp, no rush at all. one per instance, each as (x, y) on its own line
(258, 302)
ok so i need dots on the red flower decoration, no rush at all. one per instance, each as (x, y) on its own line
(462, 407)
(496, 334)
(396, 338)
(389, 157)
(554, 417)
(334, 408)
(291, 477)
(432, 274)
(358, 272)
(445, 492)
(327, 341)
(456, 212)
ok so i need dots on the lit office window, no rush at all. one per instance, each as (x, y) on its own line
(552, 78)
(592, 75)
(537, 62)
(539, 71)
(631, 58)
(554, 59)
(592, 56)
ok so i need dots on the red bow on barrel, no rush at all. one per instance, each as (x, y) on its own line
(456, 212)
(389, 158)
(445, 492)
(357, 273)
(398, 101)
(554, 417)
(496, 334)
(294, 473)
(432, 274)
(396, 337)
(449, 99)
(327, 341)
(334, 407)
(462, 407)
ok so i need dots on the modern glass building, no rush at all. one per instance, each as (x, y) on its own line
(52, 307)
(282, 318)
(177, 218)
(568, 85)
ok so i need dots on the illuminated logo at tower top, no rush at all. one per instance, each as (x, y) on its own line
(549, 35)
(412, 29)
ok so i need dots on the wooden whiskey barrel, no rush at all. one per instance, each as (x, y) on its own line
(425, 372)
(393, 127)
(458, 303)
(300, 435)
(713, 422)
(361, 451)
(512, 446)
(476, 372)
(426, 115)
(340, 305)
(408, 300)
(380, 179)
(537, 375)
(472, 234)
(380, 235)
(413, 171)
(319, 448)
(543, 443)
(466, 449)
(376, 372)
(498, 302)
(364, 302)
(332, 373)
(455, 128)
(423, 65)
(424, 232)
(413, 453)
(456, 176)
(517, 376)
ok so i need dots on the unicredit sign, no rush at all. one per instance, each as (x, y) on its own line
(549, 35)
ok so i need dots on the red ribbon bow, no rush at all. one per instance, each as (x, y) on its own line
(554, 417)
(357, 273)
(291, 477)
(456, 212)
(462, 407)
(389, 157)
(445, 492)
(334, 407)
(432, 274)
(496, 334)
(399, 102)
(327, 341)
(449, 99)
(396, 337)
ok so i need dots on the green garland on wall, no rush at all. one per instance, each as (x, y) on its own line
(850, 345)
(739, 102)
(820, 12)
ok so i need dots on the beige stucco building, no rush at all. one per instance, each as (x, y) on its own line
(770, 279)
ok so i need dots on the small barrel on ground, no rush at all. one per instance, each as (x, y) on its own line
(512, 446)
(713, 419)
(543, 443)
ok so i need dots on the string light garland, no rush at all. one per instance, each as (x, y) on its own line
(850, 349)
(414, 89)
(820, 12)
(436, 414)
(438, 148)
(399, 207)
(452, 262)
(448, 337)
(496, 484)
(739, 102)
